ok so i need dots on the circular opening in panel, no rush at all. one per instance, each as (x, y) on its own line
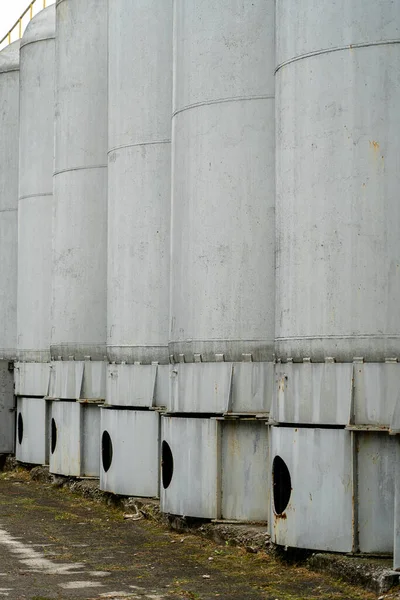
(53, 436)
(106, 450)
(167, 464)
(282, 485)
(20, 428)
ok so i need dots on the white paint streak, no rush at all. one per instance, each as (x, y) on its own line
(79, 585)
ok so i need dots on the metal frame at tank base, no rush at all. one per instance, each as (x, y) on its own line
(137, 385)
(32, 431)
(75, 438)
(32, 379)
(7, 407)
(130, 442)
(215, 468)
(78, 380)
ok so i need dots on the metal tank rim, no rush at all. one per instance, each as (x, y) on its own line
(9, 58)
(42, 27)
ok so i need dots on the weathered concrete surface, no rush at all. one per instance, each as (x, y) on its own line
(54, 544)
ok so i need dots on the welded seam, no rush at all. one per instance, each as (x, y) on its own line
(221, 101)
(3, 210)
(123, 146)
(35, 196)
(340, 337)
(45, 39)
(79, 169)
(335, 49)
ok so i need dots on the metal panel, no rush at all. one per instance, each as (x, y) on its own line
(75, 439)
(80, 181)
(9, 136)
(194, 487)
(337, 180)
(376, 465)
(35, 188)
(245, 478)
(7, 408)
(201, 387)
(66, 379)
(252, 387)
(32, 436)
(94, 381)
(134, 468)
(223, 188)
(396, 532)
(313, 393)
(376, 390)
(319, 513)
(131, 385)
(33, 378)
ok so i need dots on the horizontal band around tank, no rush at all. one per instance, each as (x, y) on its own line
(83, 168)
(13, 70)
(28, 196)
(222, 350)
(8, 354)
(39, 356)
(138, 354)
(75, 351)
(29, 43)
(138, 144)
(221, 101)
(4, 210)
(335, 49)
(371, 347)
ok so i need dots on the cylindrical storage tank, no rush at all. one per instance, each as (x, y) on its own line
(139, 167)
(9, 135)
(223, 186)
(338, 179)
(80, 182)
(35, 193)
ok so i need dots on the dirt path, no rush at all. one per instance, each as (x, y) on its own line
(57, 545)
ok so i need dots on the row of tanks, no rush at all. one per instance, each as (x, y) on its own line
(203, 259)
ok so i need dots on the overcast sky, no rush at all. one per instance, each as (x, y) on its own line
(10, 10)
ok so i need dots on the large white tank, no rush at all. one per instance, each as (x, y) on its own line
(223, 185)
(338, 179)
(80, 181)
(35, 190)
(139, 167)
(9, 135)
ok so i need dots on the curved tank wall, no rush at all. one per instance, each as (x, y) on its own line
(80, 181)
(139, 166)
(35, 187)
(223, 185)
(9, 136)
(338, 180)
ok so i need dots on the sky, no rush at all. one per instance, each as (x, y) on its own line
(10, 10)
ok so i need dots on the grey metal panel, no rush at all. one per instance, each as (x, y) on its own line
(134, 469)
(245, 478)
(90, 440)
(319, 513)
(131, 385)
(396, 532)
(34, 444)
(376, 468)
(223, 188)
(35, 188)
(338, 180)
(7, 409)
(32, 378)
(376, 390)
(162, 386)
(9, 139)
(318, 393)
(194, 488)
(94, 380)
(67, 456)
(252, 387)
(66, 379)
(80, 181)
(201, 387)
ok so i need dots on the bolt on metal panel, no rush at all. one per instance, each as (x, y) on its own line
(201, 387)
(376, 390)
(245, 476)
(376, 464)
(338, 216)
(312, 488)
(9, 140)
(130, 452)
(32, 435)
(35, 193)
(223, 188)
(131, 385)
(313, 393)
